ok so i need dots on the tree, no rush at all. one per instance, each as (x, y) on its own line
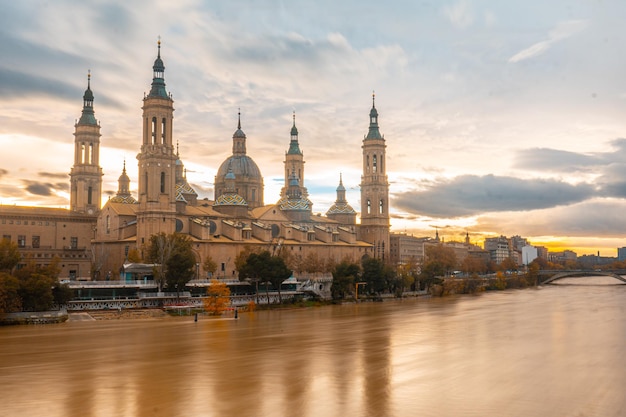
(345, 276)
(473, 265)
(36, 284)
(405, 277)
(180, 268)
(174, 259)
(440, 260)
(36, 292)
(374, 275)
(218, 298)
(9, 255)
(312, 263)
(267, 267)
(210, 266)
(134, 256)
(508, 264)
(10, 300)
(61, 294)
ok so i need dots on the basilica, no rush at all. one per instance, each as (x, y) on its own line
(237, 218)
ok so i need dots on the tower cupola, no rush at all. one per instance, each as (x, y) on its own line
(294, 147)
(88, 117)
(158, 76)
(374, 132)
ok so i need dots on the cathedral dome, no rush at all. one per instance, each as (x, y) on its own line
(242, 166)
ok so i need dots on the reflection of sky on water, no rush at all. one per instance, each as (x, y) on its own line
(514, 353)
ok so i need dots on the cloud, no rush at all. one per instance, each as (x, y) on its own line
(546, 159)
(3, 172)
(56, 175)
(44, 189)
(563, 30)
(469, 195)
(593, 218)
(459, 14)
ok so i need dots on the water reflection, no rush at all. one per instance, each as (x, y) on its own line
(556, 350)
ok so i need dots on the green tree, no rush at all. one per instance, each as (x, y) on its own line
(61, 293)
(36, 292)
(345, 275)
(374, 274)
(180, 268)
(266, 267)
(173, 258)
(10, 300)
(9, 255)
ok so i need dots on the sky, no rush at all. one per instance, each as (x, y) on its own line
(500, 118)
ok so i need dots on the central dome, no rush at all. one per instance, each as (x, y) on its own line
(241, 166)
(248, 181)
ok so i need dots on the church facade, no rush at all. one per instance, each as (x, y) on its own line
(236, 219)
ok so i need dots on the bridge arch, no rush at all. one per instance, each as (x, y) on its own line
(579, 274)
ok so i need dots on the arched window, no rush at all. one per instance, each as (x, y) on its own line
(381, 207)
(374, 164)
(154, 126)
(108, 224)
(82, 153)
(145, 180)
(369, 207)
(89, 191)
(163, 131)
(367, 163)
(162, 182)
(381, 165)
(91, 153)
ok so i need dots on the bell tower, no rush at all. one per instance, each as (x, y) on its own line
(157, 160)
(86, 174)
(375, 190)
(294, 162)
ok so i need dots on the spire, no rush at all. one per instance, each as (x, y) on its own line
(341, 191)
(158, 80)
(373, 132)
(294, 146)
(239, 138)
(88, 117)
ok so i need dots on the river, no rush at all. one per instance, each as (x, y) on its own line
(553, 351)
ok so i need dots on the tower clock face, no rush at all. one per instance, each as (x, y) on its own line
(90, 211)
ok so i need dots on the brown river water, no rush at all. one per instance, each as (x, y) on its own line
(552, 351)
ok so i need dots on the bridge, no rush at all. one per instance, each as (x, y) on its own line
(579, 273)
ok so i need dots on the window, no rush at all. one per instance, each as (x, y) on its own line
(21, 241)
(154, 125)
(7, 237)
(381, 206)
(36, 240)
(108, 224)
(374, 164)
(369, 207)
(89, 192)
(91, 153)
(162, 182)
(73, 242)
(163, 131)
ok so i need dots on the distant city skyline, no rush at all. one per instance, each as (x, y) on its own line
(500, 119)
